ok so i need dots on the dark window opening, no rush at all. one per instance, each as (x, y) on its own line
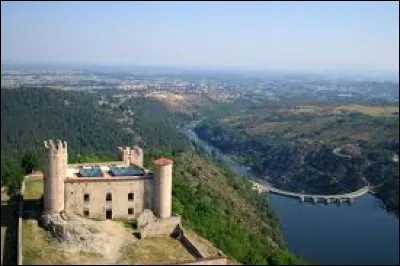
(130, 210)
(108, 197)
(86, 213)
(109, 214)
(86, 197)
(130, 196)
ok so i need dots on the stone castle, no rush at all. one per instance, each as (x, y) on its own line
(110, 190)
(121, 189)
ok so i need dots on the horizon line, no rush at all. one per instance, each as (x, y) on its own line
(333, 70)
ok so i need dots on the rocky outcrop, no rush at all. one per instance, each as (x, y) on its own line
(76, 234)
(146, 217)
(161, 227)
(351, 149)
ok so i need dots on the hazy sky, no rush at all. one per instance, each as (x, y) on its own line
(259, 35)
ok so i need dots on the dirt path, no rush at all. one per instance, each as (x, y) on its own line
(119, 237)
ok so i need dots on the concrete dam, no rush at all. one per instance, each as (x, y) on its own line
(315, 198)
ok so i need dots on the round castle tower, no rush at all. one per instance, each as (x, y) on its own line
(55, 171)
(163, 187)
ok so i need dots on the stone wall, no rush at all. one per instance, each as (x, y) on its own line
(136, 156)
(197, 253)
(119, 204)
(180, 235)
(161, 227)
(131, 155)
(19, 225)
(220, 260)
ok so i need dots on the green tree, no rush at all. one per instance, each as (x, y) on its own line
(12, 175)
(29, 162)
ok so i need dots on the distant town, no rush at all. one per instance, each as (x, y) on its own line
(219, 86)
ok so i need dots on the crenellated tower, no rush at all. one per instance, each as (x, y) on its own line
(124, 154)
(130, 155)
(55, 172)
(137, 156)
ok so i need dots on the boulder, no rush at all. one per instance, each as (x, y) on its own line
(146, 217)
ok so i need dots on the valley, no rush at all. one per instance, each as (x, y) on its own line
(308, 146)
(296, 147)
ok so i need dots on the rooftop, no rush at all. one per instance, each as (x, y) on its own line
(109, 172)
(127, 171)
(162, 161)
(35, 174)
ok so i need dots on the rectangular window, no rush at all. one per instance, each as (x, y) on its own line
(109, 214)
(130, 211)
(86, 197)
(108, 197)
(86, 213)
(130, 196)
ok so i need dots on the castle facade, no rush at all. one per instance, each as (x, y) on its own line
(106, 190)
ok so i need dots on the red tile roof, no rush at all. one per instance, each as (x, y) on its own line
(37, 174)
(162, 161)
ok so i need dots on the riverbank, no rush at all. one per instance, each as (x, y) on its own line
(359, 233)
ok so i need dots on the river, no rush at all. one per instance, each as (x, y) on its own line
(359, 233)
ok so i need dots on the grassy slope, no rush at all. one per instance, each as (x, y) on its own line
(155, 251)
(223, 208)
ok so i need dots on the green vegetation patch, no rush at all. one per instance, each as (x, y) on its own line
(153, 251)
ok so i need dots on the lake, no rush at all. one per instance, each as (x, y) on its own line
(359, 233)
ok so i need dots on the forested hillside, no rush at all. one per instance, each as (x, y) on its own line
(213, 201)
(30, 116)
(294, 145)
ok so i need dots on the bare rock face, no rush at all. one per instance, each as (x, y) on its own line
(56, 225)
(146, 217)
(76, 233)
(352, 150)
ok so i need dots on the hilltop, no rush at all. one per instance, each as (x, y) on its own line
(203, 191)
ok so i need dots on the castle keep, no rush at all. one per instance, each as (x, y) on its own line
(108, 190)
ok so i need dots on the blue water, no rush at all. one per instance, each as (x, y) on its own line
(359, 233)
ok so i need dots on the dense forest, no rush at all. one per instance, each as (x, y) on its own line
(92, 128)
(215, 202)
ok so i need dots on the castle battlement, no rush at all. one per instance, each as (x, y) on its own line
(51, 145)
(124, 149)
(136, 150)
(131, 155)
